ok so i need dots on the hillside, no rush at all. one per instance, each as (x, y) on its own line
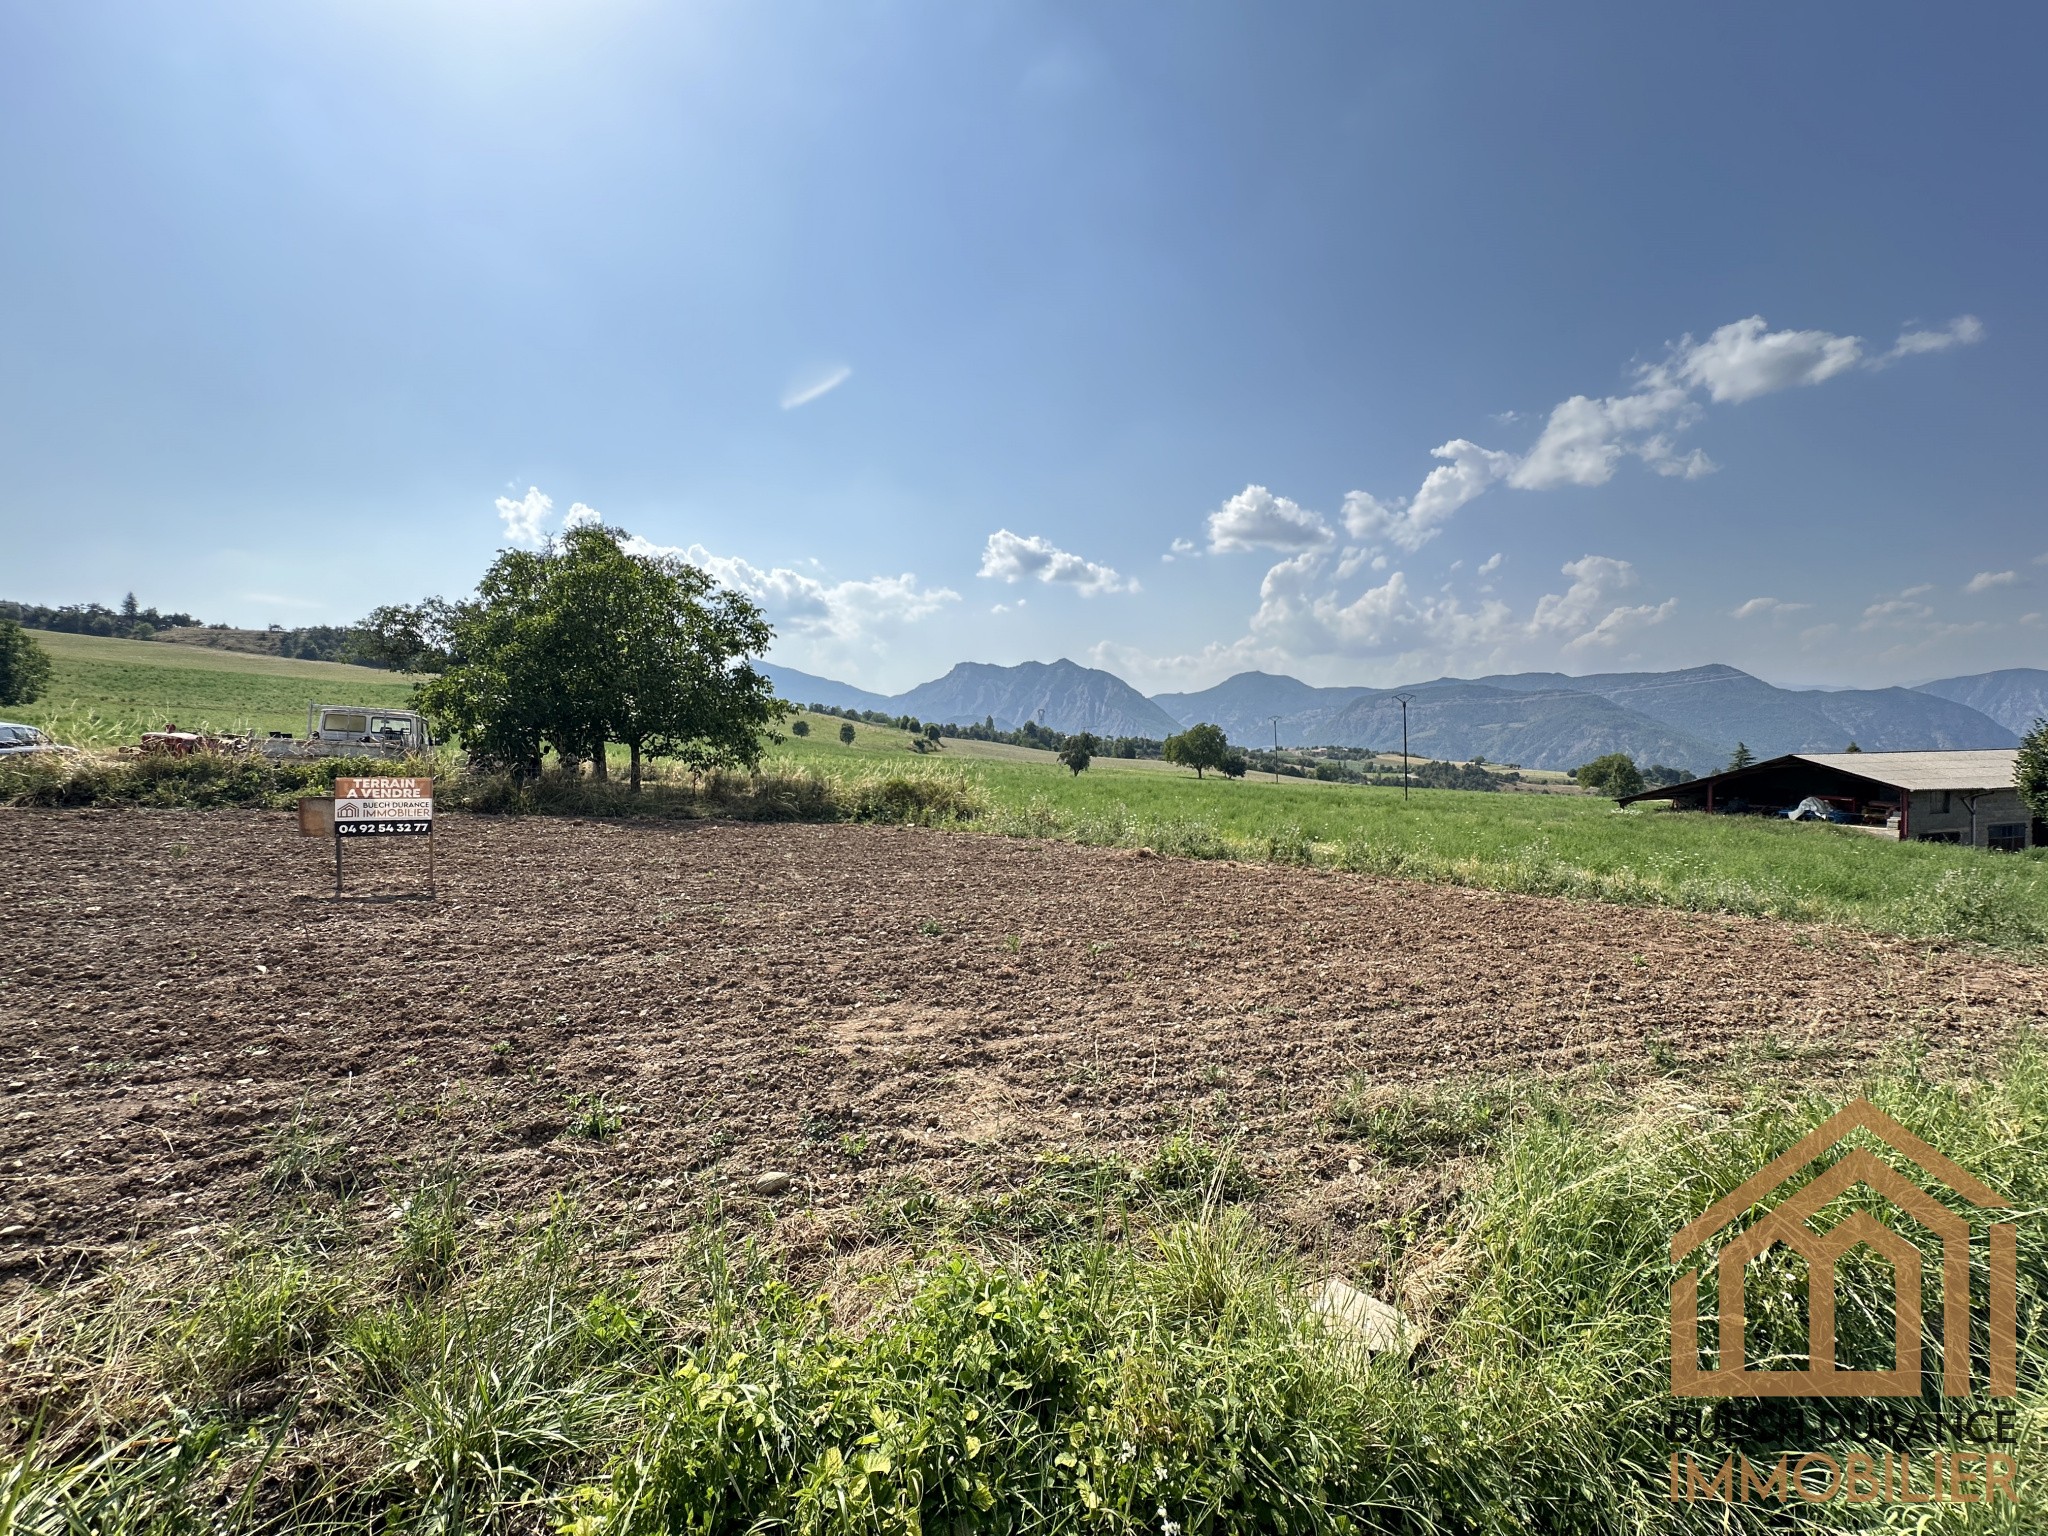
(1071, 698)
(1245, 705)
(1449, 719)
(1722, 705)
(2015, 697)
(809, 688)
(1550, 729)
(107, 692)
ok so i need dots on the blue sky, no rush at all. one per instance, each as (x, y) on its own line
(1366, 343)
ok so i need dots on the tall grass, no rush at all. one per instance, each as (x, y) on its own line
(201, 781)
(1177, 1379)
(935, 794)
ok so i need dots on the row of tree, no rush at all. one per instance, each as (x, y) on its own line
(131, 621)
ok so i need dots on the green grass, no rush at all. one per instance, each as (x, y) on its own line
(108, 692)
(1554, 845)
(1153, 1373)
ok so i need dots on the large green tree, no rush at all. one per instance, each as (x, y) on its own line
(404, 637)
(24, 665)
(2031, 773)
(1198, 747)
(1614, 774)
(590, 642)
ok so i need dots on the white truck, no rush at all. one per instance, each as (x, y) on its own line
(354, 730)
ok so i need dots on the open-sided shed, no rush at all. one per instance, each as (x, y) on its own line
(1943, 797)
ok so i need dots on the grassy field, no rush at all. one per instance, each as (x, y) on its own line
(1565, 845)
(106, 693)
(1130, 1349)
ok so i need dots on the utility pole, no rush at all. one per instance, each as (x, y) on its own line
(1404, 698)
(1276, 747)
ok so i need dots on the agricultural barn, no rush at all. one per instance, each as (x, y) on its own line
(1934, 797)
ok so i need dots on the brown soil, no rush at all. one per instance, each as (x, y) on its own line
(855, 1005)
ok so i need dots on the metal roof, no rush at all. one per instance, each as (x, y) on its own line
(1992, 769)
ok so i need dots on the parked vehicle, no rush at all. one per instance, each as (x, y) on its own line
(1812, 808)
(354, 730)
(21, 740)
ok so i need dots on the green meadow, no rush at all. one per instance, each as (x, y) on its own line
(1543, 844)
(106, 693)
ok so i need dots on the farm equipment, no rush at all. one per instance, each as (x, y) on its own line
(352, 730)
(172, 742)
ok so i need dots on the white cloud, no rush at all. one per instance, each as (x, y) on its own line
(1595, 578)
(1895, 612)
(1963, 331)
(1584, 439)
(2041, 559)
(807, 387)
(524, 518)
(1620, 622)
(1920, 591)
(1257, 519)
(838, 617)
(1986, 581)
(1300, 614)
(1744, 359)
(1768, 607)
(1413, 522)
(2032, 620)
(1584, 616)
(847, 611)
(1013, 557)
(1195, 669)
(1491, 564)
(1182, 549)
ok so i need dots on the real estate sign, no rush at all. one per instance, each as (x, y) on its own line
(383, 807)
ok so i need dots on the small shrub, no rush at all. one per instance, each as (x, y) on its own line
(1410, 1127)
(305, 1159)
(1185, 1164)
(593, 1119)
(929, 798)
(430, 1226)
(268, 1308)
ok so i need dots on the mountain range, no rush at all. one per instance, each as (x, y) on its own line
(1691, 718)
(2015, 697)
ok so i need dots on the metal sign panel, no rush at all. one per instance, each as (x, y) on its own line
(383, 807)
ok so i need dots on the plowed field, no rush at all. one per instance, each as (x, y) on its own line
(858, 1006)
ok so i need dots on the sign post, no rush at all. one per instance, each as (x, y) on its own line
(384, 807)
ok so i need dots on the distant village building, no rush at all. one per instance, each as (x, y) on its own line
(1931, 797)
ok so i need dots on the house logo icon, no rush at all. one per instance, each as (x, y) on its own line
(1790, 1222)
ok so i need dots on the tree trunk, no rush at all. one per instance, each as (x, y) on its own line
(636, 767)
(598, 768)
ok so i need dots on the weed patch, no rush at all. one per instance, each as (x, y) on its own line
(1172, 1376)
